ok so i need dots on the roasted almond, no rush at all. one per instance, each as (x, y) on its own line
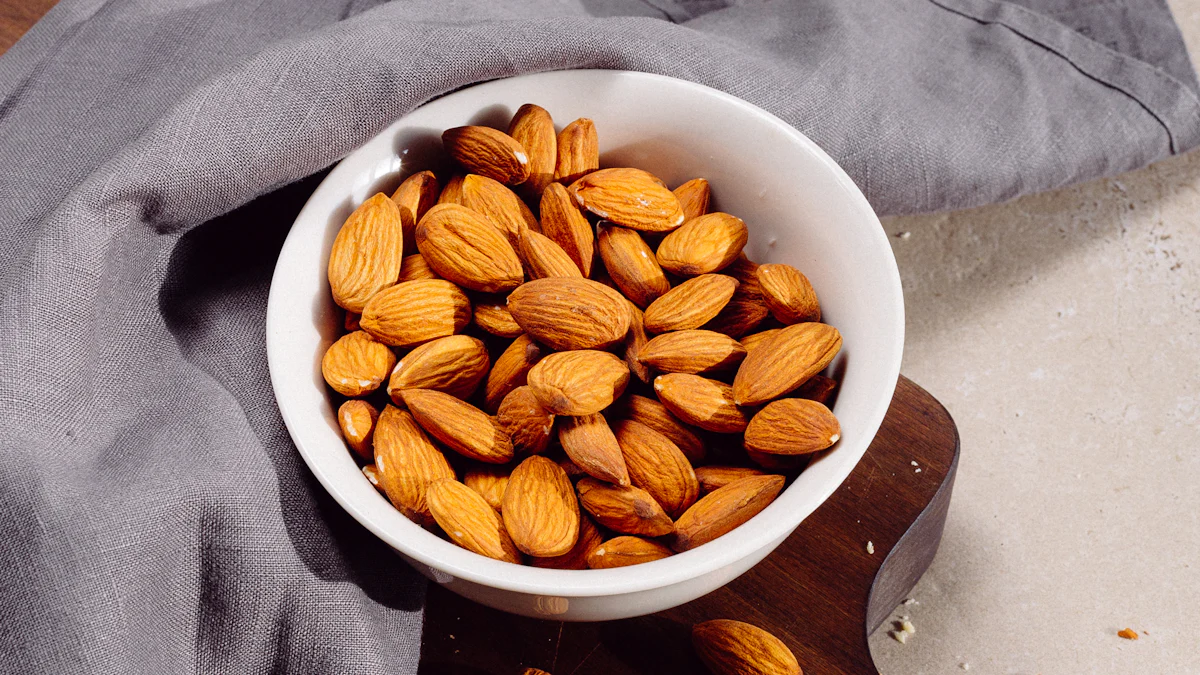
(416, 195)
(565, 313)
(469, 521)
(545, 259)
(635, 342)
(590, 443)
(416, 311)
(785, 361)
(792, 426)
(736, 648)
(788, 294)
(716, 477)
(499, 205)
(575, 559)
(464, 247)
(579, 382)
(702, 245)
(690, 304)
(455, 364)
(578, 151)
(526, 421)
(406, 462)
(817, 388)
(656, 416)
(629, 197)
(693, 198)
(752, 340)
(492, 315)
(452, 191)
(366, 253)
(540, 510)
(490, 482)
(488, 152)
(701, 402)
(631, 264)
(566, 225)
(742, 314)
(459, 425)
(356, 364)
(626, 550)
(414, 267)
(357, 421)
(724, 509)
(692, 351)
(533, 128)
(511, 369)
(625, 509)
(657, 466)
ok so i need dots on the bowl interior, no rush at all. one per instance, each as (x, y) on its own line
(800, 208)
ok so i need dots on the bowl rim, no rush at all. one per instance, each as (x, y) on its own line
(772, 524)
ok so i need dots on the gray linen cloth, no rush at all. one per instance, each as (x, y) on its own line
(154, 515)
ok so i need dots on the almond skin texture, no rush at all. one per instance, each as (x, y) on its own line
(590, 443)
(630, 198)
(625, 551)
(635, 342)
(576, 558)
(416, 195)
(792, 426)
(692, 351)
(569, 314)
(624, 509)
(631, 264)
(527, 423)
(752, 340)
(459, 425)
(817, 388)
(490, 482)
(414, 267)
(464, 247)
(716, 477)
(566, 225)
(578, 382)
(657, 466)
(693, 197)
(785, 361)
(742, 314)
(511, 369)
(656, 416)
(372, 475)
(499, 205)
(690, 304)
(545, 259)
(788, 294)
(736, 648)
(701, 402)
(366, 253)
(578, 151)
(724, 509)
(492, 315)
(455, 364)
(416, 311)
(356, 364)
(488, 152)
(469, 521)
(540, 509)
(703, 245)
(406, 462)
(357, 421)
(452, 191)
(533, 128)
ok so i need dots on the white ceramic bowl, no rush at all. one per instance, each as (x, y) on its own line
(801, 208)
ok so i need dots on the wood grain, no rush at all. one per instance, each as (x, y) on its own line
(17, 16)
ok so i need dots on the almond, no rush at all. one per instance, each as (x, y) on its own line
(372, 475)
(414, 267)
(356, 364)
(724, 509)
(736, 648)
(656, 416)
(416, 311)
(492, 315)
(785, 361)
(533, 128)
(703, 245)
(527, 423)
(366, 253)
(566, 225)
(455, 365)
(578, 151)
(690, 304)
(742, 314)
(751, 341)
(817, 388)
(623, 508)
(792, 426)
(571, 468)
(693, 197)
(540, 509)
(490, 482)
(350, 322)
(459, 425)
(590, 443)
(469, 521)
(716, 477)
(452, 191)
(357, 421)
(626, 550)
(628, 197)
(635, 342)
(788, 294)
(575, 559)
(745, 271)
(578, 382)
(657, 466)
(701, 402)
(406, 463)
(416, 195)
(488, 152)
(631, 264)
(534, 671)
(568, 313)
(499, 205)
(692, 351)
(779, 463)
(545, 259)
(511, 369)
(463, 246)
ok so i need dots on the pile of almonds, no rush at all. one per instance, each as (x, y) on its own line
(616, 352)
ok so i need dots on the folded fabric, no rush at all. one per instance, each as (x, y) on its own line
(156, 517)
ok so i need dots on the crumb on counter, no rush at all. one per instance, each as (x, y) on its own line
(871, 548)
(964, 665)
(908, 627)
(899, 636)
(1128, 634)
